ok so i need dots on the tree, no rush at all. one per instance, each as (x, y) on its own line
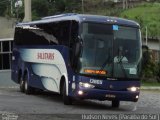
(67, 5)
(39, 8)
(3, 7)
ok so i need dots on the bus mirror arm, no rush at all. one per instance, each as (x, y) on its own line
(77, 51)
(78, 46)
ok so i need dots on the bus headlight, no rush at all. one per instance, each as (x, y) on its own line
(86, 85)
(80, 92)
(133, 89)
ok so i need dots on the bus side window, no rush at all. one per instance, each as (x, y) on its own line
(48, 33)
(64, 32)
(30, 36)
(18, 36)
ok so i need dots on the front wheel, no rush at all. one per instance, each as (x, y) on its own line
(66, 99)
(115, 103)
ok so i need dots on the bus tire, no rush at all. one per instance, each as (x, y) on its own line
(115, 103)
(21, 85)
(66, 99)
(27, 89)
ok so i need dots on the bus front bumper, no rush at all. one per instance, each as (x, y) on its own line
(99, 94)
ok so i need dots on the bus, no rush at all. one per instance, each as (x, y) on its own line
(79, 56)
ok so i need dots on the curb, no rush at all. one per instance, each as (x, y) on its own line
(150, 88)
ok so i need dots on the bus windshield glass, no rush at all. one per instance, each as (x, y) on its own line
(110, 50)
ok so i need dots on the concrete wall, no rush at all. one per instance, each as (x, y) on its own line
(154, 45)
(5, 79)
(7, 27)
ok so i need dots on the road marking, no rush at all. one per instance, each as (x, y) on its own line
(135, 108)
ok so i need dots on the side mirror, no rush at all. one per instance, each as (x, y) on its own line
(145, 55)
(145, 48)
(77, 49)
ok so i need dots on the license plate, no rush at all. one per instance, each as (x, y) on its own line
(110, 96)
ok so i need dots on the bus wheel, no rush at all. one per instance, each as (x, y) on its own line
(115, 103)
(66, 99)
(28, 90)
(21, 85)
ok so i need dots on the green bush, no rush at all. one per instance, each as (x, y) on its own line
(150, 69)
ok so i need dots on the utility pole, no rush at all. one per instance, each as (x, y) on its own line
(125, 4)
(82, 6)
(18, 4)
(11, 7)
(146, 35)
(27, 12)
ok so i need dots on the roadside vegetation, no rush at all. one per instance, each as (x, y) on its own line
(150, 84)
(148, 15)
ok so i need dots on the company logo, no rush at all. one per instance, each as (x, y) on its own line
(96, 81)
(45, 56)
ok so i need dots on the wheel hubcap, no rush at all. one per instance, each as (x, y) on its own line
(21, 83)
(26, 85)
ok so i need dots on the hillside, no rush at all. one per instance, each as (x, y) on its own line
(148, 15)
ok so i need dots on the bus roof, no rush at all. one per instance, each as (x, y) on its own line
(84, 18)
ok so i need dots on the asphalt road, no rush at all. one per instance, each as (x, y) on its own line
(49, 105)
(46, 106)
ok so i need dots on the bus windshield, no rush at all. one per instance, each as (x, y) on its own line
(110, 50)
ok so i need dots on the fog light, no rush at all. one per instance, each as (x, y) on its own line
(137, 97)
(80, 92)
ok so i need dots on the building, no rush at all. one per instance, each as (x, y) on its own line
(5, 53)
(6, 38)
